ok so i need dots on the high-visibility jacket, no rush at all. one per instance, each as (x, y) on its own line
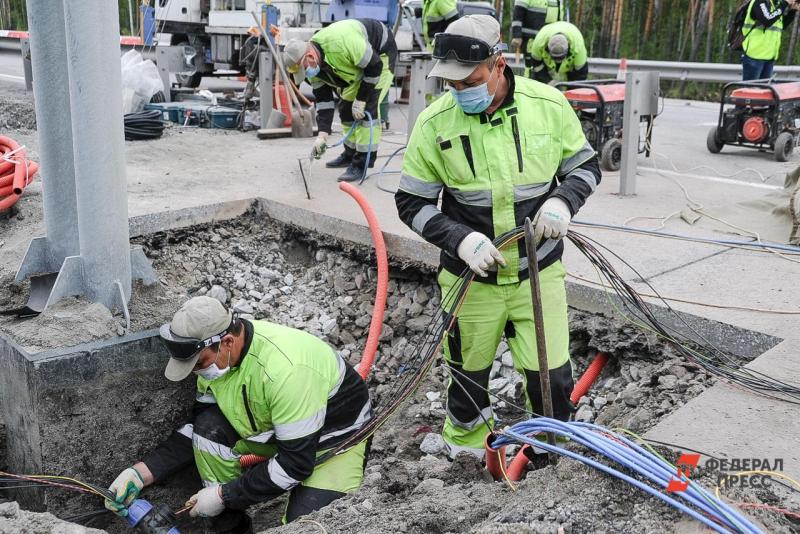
(494, 171)
(763, 26)
(289, 389)
(543, 62)
(531, 15)
(358, 56)
(436, 17)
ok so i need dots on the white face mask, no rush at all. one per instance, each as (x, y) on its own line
(212, 372)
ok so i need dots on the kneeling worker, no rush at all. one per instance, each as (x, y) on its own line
(356, 59)
(498, 148)
(559, 53)
(262, 389)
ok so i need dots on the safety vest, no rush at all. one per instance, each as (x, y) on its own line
(497, 170)
(762, 43)
(433, 12)
(282, 387)
(347, 50)
(576, 58)
(536, 14)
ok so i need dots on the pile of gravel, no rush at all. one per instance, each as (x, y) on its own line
(17, 112)
(13, 520)
(270, 271)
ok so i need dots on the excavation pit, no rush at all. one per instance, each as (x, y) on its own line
(90, 408)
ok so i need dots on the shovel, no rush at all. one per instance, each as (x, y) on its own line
(302, 123)
(277, 118)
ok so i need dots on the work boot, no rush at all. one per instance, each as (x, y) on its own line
(343, 160)
(354, 173)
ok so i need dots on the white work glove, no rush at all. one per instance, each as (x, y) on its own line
(320, 145)
(552, 221)
(126, 487)
(479, 253)
(207, 502)
(358, 109)
(516, 43)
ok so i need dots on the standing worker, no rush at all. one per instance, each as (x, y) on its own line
(529, 17)
(498, 148)
(262, 389)
(763, 27)
(436, 15)
(356, 59)
(559, 53)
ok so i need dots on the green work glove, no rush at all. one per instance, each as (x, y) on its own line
(126, 487)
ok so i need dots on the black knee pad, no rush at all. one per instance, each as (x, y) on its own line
(212, 425)
(305, 500)
(561, 386)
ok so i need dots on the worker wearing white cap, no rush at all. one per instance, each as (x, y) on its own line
(354, 58)
(559, 53)
(262, 389)
(496, 149)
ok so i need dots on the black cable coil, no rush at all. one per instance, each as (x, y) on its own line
(145, 124)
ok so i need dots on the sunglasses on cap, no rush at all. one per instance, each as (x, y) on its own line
(449, 47)
(184, 348)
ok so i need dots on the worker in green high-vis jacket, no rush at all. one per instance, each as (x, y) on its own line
(493, 151)
(558, 53)
(262, 389)
(436, 17)
(763, 27)
(355, 59)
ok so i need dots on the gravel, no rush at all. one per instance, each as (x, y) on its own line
(301, 280)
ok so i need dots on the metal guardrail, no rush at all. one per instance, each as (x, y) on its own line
(676, 70)
(605, 67)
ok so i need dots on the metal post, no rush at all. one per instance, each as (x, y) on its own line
(53, 119)
(630, 137)
(420, 67)
(265, 69)
(538, 324)
(641, 98)
(25, 48)
(78, 90)
(95, 89)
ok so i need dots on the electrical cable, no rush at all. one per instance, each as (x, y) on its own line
(695, 302)
(143, 125)
(695, 501)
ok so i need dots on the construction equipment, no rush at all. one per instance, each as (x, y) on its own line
(760, 114)
(599, 105)
(212, 32)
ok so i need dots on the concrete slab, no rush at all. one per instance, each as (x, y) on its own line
(196, 167)
(63, 409)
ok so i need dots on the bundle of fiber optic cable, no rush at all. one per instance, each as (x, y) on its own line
(628, 456)
(145, 124)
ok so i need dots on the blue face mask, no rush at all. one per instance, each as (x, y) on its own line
(474, 99)
(311, 72)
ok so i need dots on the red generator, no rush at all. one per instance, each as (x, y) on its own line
(599, 105)
(759, 114)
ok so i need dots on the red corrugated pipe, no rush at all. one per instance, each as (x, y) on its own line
(379, 307)
(589, 376)
(16, 172)
(516, 468)
(495, 458)
(378, 310)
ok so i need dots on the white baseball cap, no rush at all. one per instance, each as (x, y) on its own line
(201, 322)
(464, 45)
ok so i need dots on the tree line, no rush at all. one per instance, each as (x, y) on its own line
(668, 30)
